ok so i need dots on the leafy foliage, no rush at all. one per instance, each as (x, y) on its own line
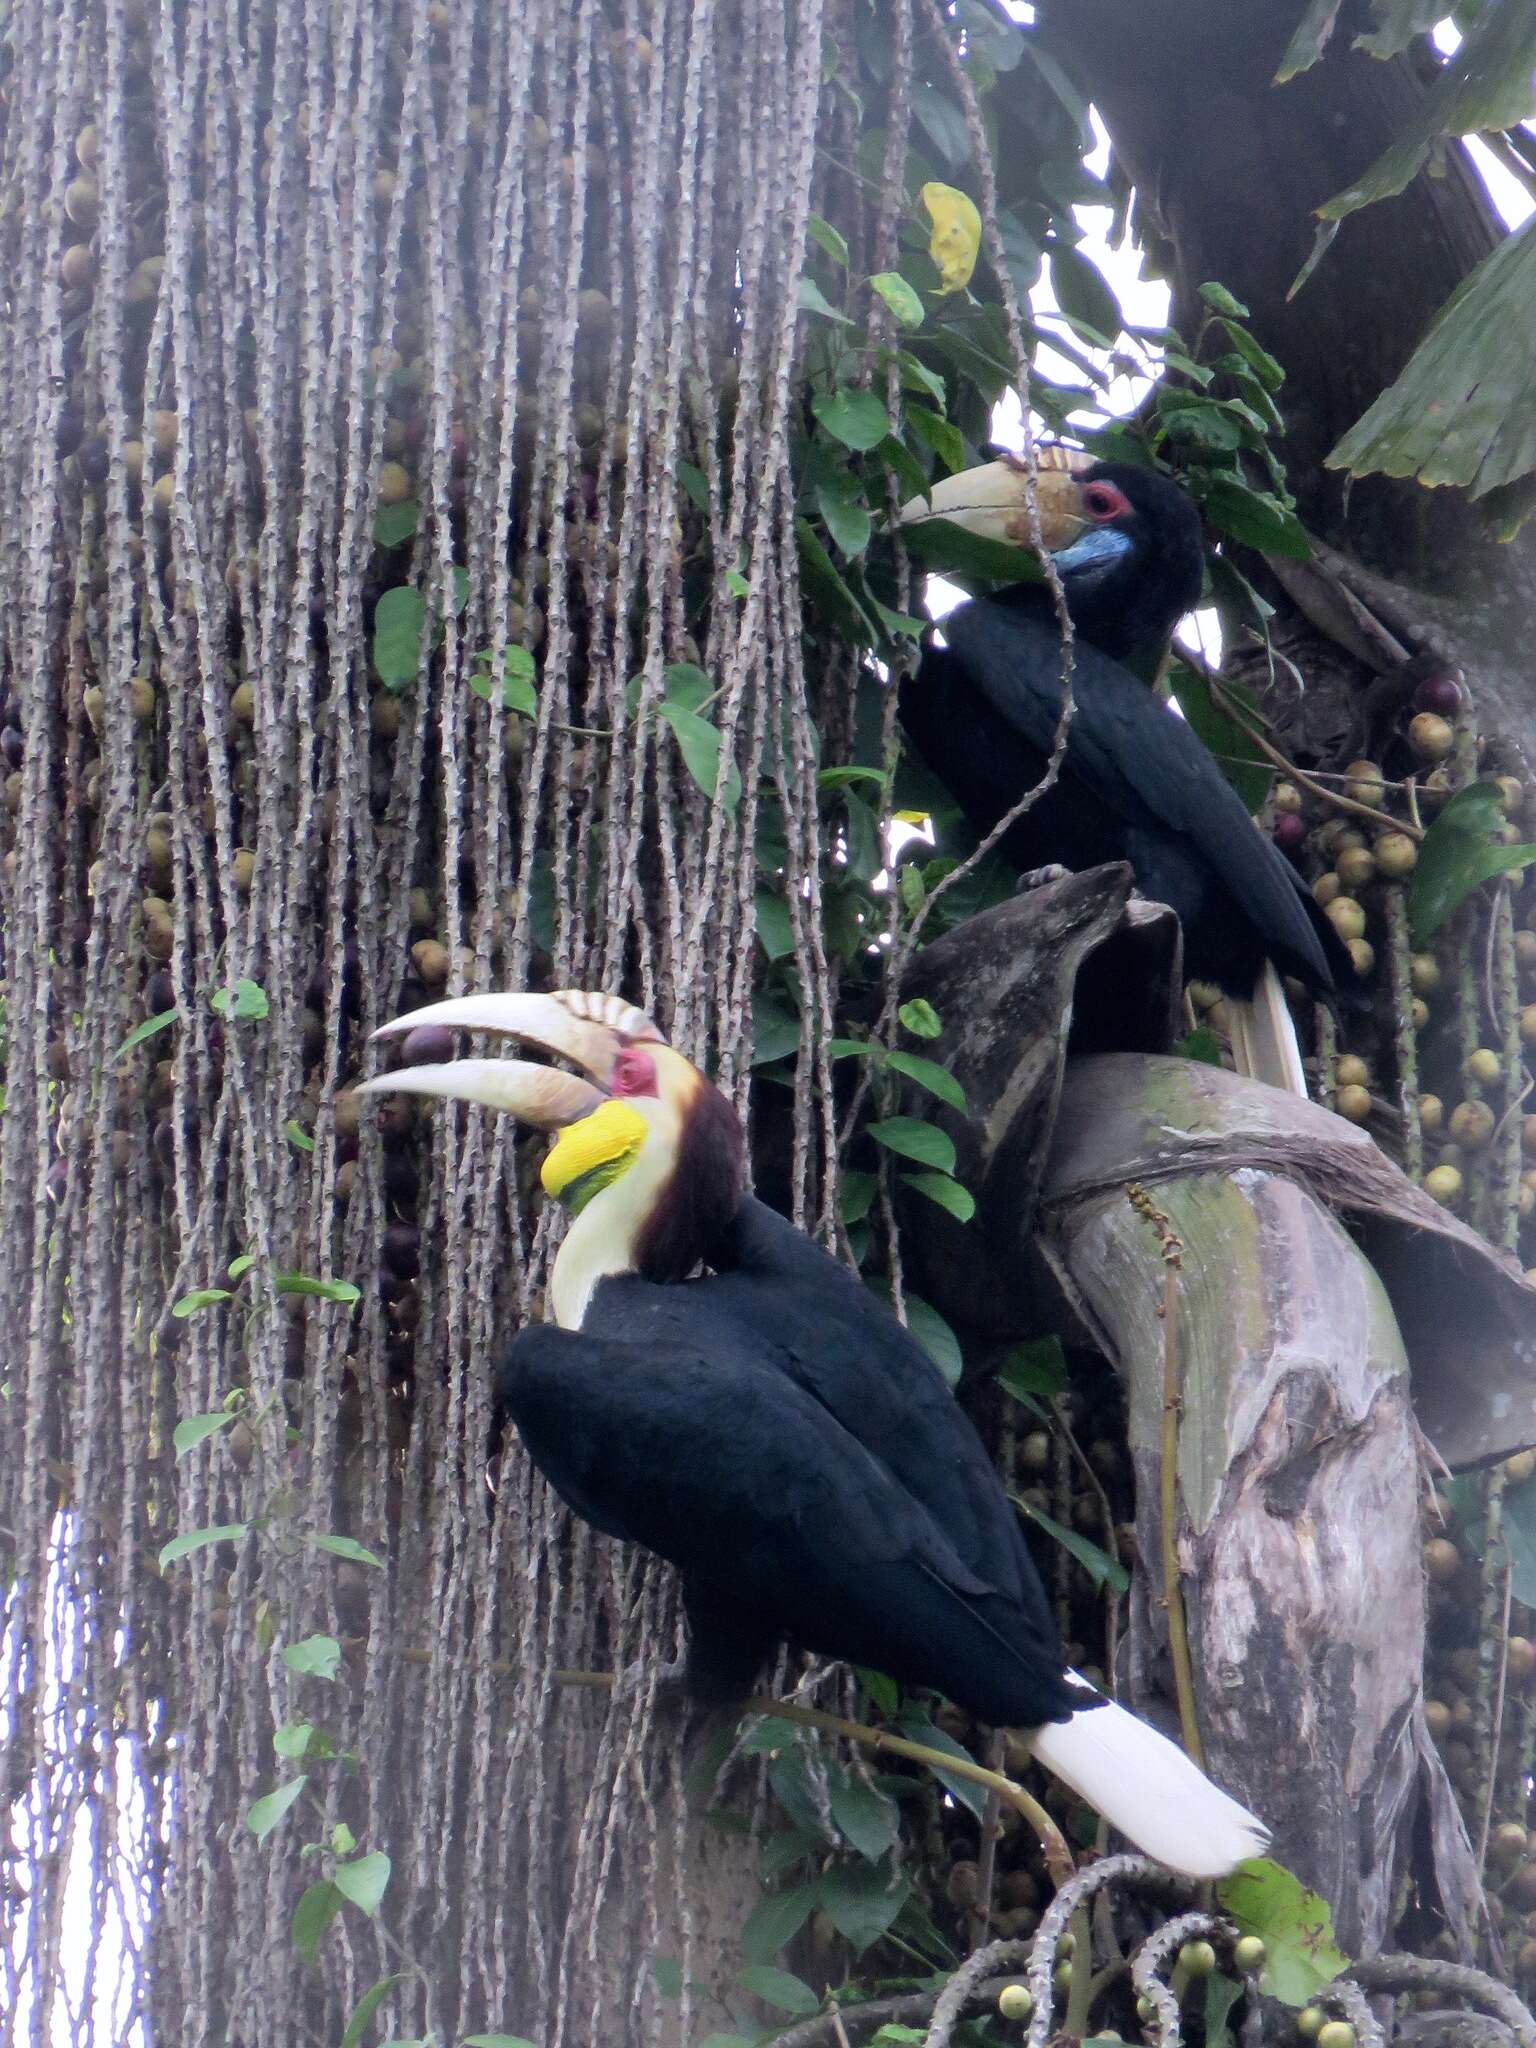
(1295, 1925)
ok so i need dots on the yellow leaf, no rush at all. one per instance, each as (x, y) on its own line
(956, 236)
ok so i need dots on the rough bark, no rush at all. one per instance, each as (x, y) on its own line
(1228, 168)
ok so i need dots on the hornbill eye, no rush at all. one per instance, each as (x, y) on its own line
(1104, 502)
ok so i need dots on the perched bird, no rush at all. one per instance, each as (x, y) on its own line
(1137, 784)
(771, 1429)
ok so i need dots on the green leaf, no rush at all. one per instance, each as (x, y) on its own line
(920, 1018)
(199, 1539)
(936, 1337)
(1485, 84)
(885, 1692)
(775, 1029)
(1201, 1044)
(812, 299)
(699, 743)
(900, 625)
(778, 1988)
(398, 620)
(851, 771)
(517, 680)
(776, 1920)
(249, 1002)
(1257, 518)
(1083, 294)
(1037, 1368)
(855, 1193)
(861, 1900)
(265, 1813)
(949, 550)
(1295, 1925)
(314, 1657)
(685, 683)
(825, 236)
(910, 474)
(145, 1030)
(901, 299)
(347, 1547)
(365, 2009)
(1463, 410)
(737, 584)
(297, 1136)
(192, 1429)
(1221, 301)
(363, 1881)
(1259, 360)
(1519, 1526)
(1221, 1994)
(918, 1726)
(774, 929)
(1461, 851)
(695, 483)
(1310, 39)
(396, 523)
(1103, 1569)
(828, 590)
(946, 1191)
(343, 1291)
(667, 1974)
(913, 1139)
(313, 1915)
(856, 418)
(930, 1075)
(200, 1297)
(293, 1738)
(1249, 773)
(946, 441)
(865, 1815)
(847, 521)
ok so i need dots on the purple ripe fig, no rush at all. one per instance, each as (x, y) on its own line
(402, 1249)
(12, 746)
(159, 992)
(1440, 694)
(1290, 831)
(429, 1045)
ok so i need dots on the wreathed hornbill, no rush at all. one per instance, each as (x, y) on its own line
(771, 1429)
(1137, 784)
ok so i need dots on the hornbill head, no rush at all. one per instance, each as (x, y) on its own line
(1126, 541)
(648, 1159)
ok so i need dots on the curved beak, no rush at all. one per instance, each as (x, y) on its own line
(542, 1097)
(992, 500)
(580, 1025)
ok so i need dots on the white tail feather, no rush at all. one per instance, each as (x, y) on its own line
(1264, 1042)
(1146, 1786)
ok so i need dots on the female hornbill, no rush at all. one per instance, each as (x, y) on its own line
(1137, 784)
(771, 1429)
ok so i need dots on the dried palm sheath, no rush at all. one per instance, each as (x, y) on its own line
(534, 254)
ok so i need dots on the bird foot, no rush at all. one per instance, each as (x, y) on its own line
(1040, 878)
(670, 1693)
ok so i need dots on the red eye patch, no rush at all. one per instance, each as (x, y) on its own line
(1105, 501)
(634, 1073)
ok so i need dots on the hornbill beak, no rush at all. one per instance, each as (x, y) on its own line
(992, 501)
(586, 1028)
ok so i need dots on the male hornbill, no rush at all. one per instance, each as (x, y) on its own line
(771, 1429)
(1137, 784)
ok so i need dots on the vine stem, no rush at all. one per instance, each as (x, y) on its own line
(1053, 1846)
(1173, 1599)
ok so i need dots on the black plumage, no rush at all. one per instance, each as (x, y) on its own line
(778, 1436)
(1137, 784)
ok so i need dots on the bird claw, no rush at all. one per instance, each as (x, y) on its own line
(667, 1684)
(1040, 878)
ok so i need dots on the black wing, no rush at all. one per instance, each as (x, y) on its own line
(721, 1464)
(1148, 765)
(805, 1315)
